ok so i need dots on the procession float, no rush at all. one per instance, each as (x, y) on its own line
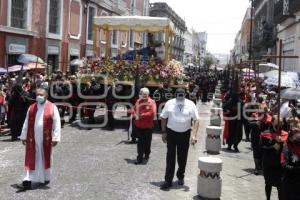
(140, 66)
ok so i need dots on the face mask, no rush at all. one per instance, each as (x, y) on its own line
(40, 99)
(180, 98)
(142, 97)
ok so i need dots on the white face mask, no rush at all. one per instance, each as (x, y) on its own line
(40, 99)
(180, 98)
(143, 96)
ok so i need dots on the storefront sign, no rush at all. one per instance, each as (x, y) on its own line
(53, 50)
(16, 49)
(74, 52)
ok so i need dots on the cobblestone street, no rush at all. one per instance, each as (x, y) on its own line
(99, 164)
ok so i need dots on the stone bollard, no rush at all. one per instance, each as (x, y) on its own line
(217, 102)
(209, 180)
(215, 117)
(213, 139)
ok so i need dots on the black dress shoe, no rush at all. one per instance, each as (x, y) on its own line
(133, 142)
(47, 183)
(180, 181)
(138, 162)
(165, 186)
(146, 157)
(236, 149)
(27, 185)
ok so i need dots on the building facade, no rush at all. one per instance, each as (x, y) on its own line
(164, 10)
(236, 53)
(264, 29)
(188, 47)
(202, 40)
(287, 19)
(245, 35)
(59, 31)
(199, 47)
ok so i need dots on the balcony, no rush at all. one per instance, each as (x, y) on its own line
(108, 4)
(120, 7)
(294, 6)
(264, 39)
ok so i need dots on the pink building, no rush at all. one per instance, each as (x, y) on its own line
(61, 30)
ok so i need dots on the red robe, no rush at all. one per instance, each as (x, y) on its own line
(47, 136)
(272, 136)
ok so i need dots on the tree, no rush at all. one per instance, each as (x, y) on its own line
(209, 60)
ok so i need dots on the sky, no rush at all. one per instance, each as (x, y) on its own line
(221, 19)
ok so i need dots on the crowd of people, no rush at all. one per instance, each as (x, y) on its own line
(34, 106)
(251, 107)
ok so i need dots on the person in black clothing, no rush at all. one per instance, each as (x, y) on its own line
(291, 166)
(205, 90)
(233, 107)
(272, 143)
(88, 90)
(261, 121)
(60, 90)
(161, 96)
(18, 105)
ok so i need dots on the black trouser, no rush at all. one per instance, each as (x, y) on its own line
(181, 142)
(247, 128)
(110, 116)
(91, 112)
(62, 110)
(144, 142)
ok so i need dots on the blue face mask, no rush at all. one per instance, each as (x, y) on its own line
(40, 99)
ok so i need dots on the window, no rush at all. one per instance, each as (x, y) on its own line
(12, 59)
(92, 12)
(19, 13)
(133, 6)
(131, 39)
(54, 16)
(53, 62)
(114, 40)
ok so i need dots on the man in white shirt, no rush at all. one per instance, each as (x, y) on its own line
(179, 119)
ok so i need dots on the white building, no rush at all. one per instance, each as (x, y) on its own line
(236, 53)
(188, 47)
(199, 46)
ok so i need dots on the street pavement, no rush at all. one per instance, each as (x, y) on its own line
(99, 164)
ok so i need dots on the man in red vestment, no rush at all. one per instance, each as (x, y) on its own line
(41, 132)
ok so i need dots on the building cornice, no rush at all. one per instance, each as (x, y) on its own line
(18, 31)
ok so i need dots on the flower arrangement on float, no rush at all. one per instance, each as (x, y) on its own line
(127, 70)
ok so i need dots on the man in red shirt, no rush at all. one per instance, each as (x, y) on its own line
(143, 113)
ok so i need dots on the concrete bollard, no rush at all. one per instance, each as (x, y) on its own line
(215, 117)
(213, 139)
(217, 102)
(209, 180)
